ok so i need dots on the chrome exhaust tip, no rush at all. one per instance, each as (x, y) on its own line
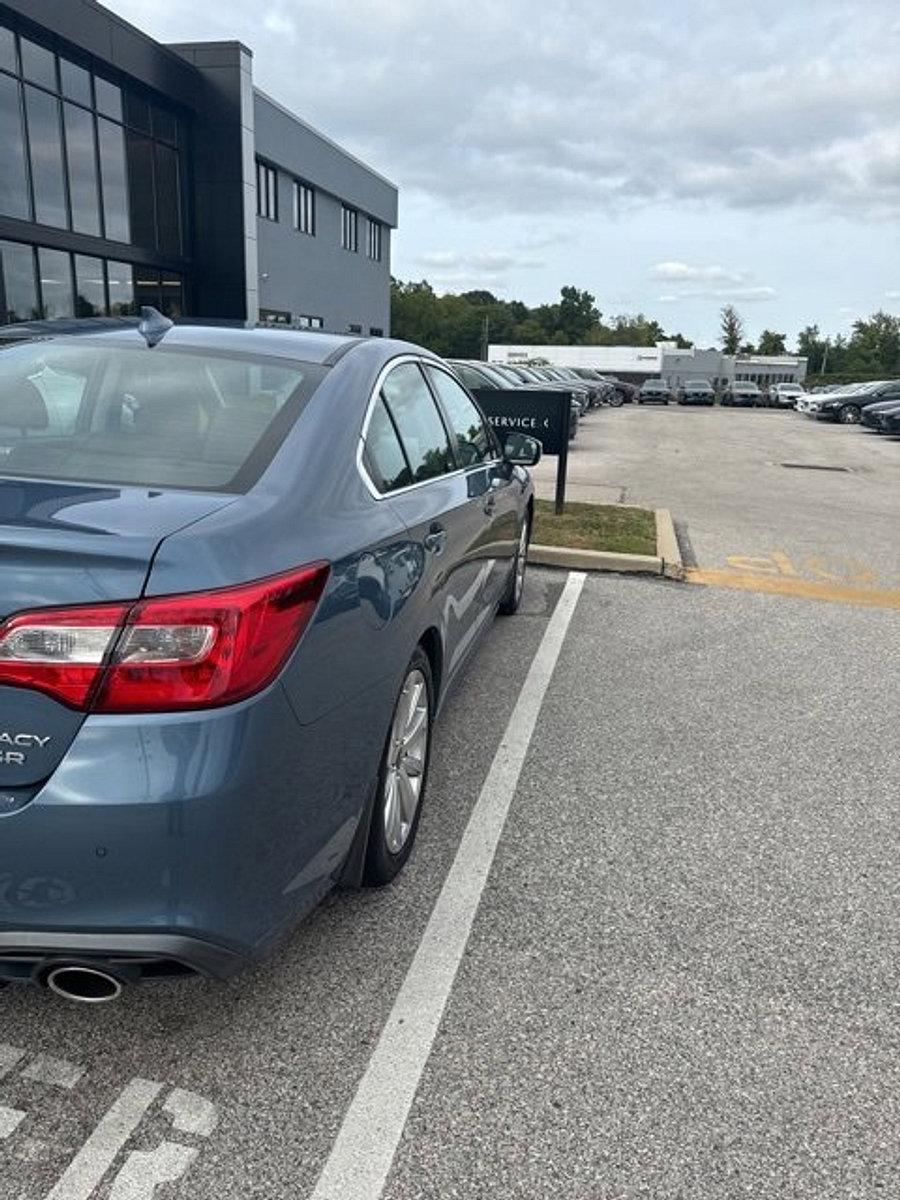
(84, 985)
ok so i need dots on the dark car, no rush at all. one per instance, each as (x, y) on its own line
(240, 571)
(847, 407)
(620, 391)
(535, 377)
(492, 378)
(877, 416)
(654, 391)
(743, 393)
(890, 422)
(696, 391)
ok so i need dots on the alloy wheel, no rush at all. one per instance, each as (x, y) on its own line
(407, 760)
(849, 415)
(521, 562)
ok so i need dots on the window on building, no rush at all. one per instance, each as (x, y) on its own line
(18, 286)
(8, 50)
(307, 322)
(100, 287)
(376, 331)
(38, 64)
(13, 177)
(354, 328)
(114, 181)
(81, 156)
(274, 316)
(76, 123)
(373, 241)
(120, 280)
(90, 287)
(266, 191)
(47, 175)
(56, 283)
(349, 228)
(304, 208)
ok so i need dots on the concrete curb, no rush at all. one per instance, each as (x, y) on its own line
(666, 561)
(667, 545)
(594, 560)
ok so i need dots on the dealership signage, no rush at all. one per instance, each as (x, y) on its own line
(542, 415)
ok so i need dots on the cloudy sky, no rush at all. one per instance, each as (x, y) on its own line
(668, 155)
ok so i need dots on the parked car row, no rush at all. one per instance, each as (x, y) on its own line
(482, 376)
(739, 394)
(876, 405)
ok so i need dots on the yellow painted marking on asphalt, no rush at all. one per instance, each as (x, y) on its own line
(780, 585)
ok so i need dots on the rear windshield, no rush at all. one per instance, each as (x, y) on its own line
(149, 418)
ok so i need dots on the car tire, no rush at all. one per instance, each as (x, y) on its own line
(512, 597)
(850, 414)
(400, 793)
(666, 403)
(640, 402)
(616, 400)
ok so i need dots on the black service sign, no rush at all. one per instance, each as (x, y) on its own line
(542, 415)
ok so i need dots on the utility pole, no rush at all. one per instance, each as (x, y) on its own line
(824, 358)
(485, 336)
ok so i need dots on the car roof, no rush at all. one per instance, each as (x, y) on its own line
(296, 344)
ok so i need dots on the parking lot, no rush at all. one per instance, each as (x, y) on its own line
(681, 976)
(828, 517)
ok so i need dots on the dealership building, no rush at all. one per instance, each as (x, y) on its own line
(137, 173)
(664, 360)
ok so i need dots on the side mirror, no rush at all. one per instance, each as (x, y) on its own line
(520, 450)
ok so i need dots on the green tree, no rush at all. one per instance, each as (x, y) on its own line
(875, 344)
(811, 346)
(577, 314)
(771, 343)
(732, 329)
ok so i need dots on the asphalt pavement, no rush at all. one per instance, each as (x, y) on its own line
(681, 980)
(830, 517)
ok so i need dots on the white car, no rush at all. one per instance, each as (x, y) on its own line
(786, 395)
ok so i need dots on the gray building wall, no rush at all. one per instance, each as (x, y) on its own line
(314, 276)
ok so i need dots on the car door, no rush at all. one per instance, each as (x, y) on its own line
(434, 502)
(497, 490)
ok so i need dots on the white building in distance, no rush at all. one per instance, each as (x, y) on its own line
(664, 360)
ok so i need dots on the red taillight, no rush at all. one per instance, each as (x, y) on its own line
(169, 653)
(60, 651)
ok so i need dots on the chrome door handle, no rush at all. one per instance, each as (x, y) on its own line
(435, 539)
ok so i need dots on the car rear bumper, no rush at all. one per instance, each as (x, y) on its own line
(195, 839)
(27, 956)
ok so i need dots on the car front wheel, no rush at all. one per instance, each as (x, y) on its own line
(849, 414)
(402, 776)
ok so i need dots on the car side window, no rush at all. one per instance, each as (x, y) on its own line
(473, 442)
(418, 422)
(383, 455)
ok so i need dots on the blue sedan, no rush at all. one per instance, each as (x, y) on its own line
(240, 571)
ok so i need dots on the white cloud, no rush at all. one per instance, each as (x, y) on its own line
(535, 108)
(680, 272)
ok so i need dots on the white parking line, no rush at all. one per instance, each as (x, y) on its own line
(98, 1153)
(361, 1157)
